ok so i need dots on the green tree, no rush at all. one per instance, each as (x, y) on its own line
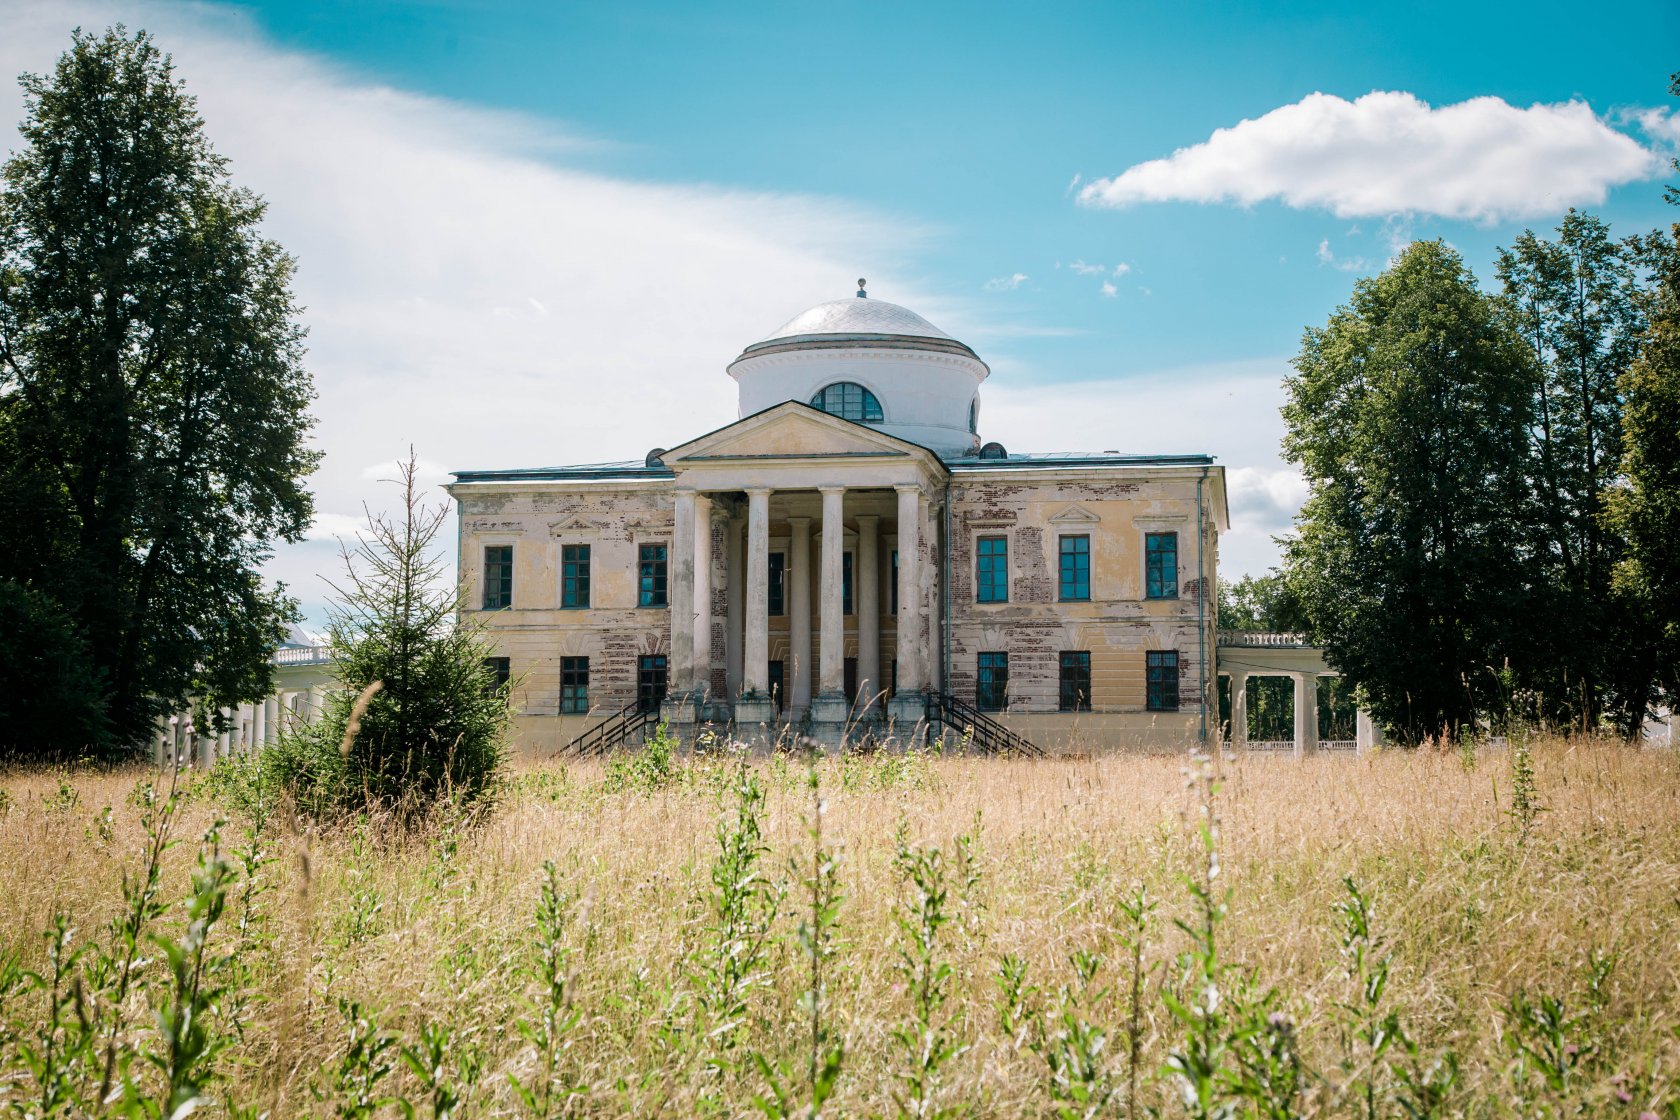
(1265, 602)
(1580, 304)
(152, 394)
(1645, 507)
(422, 717)
(51, 705)
(1409, 414)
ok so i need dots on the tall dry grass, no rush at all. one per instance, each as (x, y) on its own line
(436, 927)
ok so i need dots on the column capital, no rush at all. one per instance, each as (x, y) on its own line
(759, 491)
(831, 489)
(867, 518)
(907, 487)
(798, 522)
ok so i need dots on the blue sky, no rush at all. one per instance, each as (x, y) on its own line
(537, 233)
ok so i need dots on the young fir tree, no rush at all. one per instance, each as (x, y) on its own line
(152, 391)
(436, 724)
(1409, 415)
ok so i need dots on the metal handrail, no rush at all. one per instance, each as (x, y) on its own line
(612, 731)
(986, 734)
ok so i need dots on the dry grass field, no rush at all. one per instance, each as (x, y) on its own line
(1532, 958)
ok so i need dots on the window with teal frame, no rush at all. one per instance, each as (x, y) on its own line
(1160, 565)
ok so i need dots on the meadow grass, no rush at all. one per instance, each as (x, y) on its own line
(1386, 935)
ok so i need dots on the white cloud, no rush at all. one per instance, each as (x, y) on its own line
(1121, 269)
(1389, 152)
(1109, 291)
(1006, 283)
(1088, 269)
(469, 293)
(1350, 264)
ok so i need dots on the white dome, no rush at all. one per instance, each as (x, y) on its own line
(856, 316)
(902, 374)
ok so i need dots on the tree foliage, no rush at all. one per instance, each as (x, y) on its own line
(1581, 308)
(421, 717)
(152, 394)
(1265, 602)
(1409, 415)
(51, 705)
(1645, 507)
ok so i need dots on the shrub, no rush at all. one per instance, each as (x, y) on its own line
(422, 718)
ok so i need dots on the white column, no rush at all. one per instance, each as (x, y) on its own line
(910, 651)
(1366, 732)
(259, 724)
(271, 719)
(1306, 713)
(734, 577)
(224, 739)
(703, 594)
(832, 668)
(681, 588)
(1239, 710)
(933, 661)
(755, 670)
(317, 703)
(796, 600)
(866, 573)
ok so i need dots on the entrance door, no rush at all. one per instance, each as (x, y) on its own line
(650, 682)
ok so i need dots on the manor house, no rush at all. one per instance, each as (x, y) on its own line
(849, 560)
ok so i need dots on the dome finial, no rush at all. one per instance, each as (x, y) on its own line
(861, 293)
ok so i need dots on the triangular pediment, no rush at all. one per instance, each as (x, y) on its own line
(1075, 515)
(790, 431)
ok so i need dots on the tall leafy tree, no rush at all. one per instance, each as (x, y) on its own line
(1644, 508)
(1579, 301)
(153, 400)
(1409, 415)
(1264, 602)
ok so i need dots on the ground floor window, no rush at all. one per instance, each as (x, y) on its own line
(1161, 666)
(1076, 681)
(650, 682)
(574, 685)
(992, 682)
(497, 669)
(778, 683)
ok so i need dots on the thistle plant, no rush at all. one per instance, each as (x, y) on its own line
(926, 1039)
(446, 1069)
(352, 1084)
(550, 1017)
(59, 1051)
(1525, 799)
(826, 1052)
(743, 904)
(1137, 910)
(1369, 1027)
(1199, 1060)
(1073, 1046)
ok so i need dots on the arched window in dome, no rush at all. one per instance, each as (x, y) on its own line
(849, 401)
(974, 416)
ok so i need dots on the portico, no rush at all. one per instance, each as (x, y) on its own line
(844, 513)
(1244, 655)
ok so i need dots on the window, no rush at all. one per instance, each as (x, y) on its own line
(1162, 680)
(849, 678)
(778, 583)
(846, 584)
(778, 686)
(991, 571)
(991, 693)
(496, 668)
(1076, 680)
(1076, 568)
(574, 685)
(652, 581)
(498, 577)
(574, 575)
(892, 677)
(849, 401)
(974, 415)
(892, 583)
(1160, 565)
(650, 682)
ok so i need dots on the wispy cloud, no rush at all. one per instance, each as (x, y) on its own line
(1006, 283)
(1109, 291)
(1327, 256)
(1389, 152)
(468, 292)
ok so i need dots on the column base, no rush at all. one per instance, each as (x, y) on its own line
(907, 725)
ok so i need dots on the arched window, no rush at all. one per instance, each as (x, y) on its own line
(974, 415)
(849, 401)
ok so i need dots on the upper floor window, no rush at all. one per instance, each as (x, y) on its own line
(991, 570)
(1160, 565)
(497, 674)
(974, 415)
(574, 575)
(849, 401)
(498, 577)
(651, 578)
(778, 583)
(1075, 568)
